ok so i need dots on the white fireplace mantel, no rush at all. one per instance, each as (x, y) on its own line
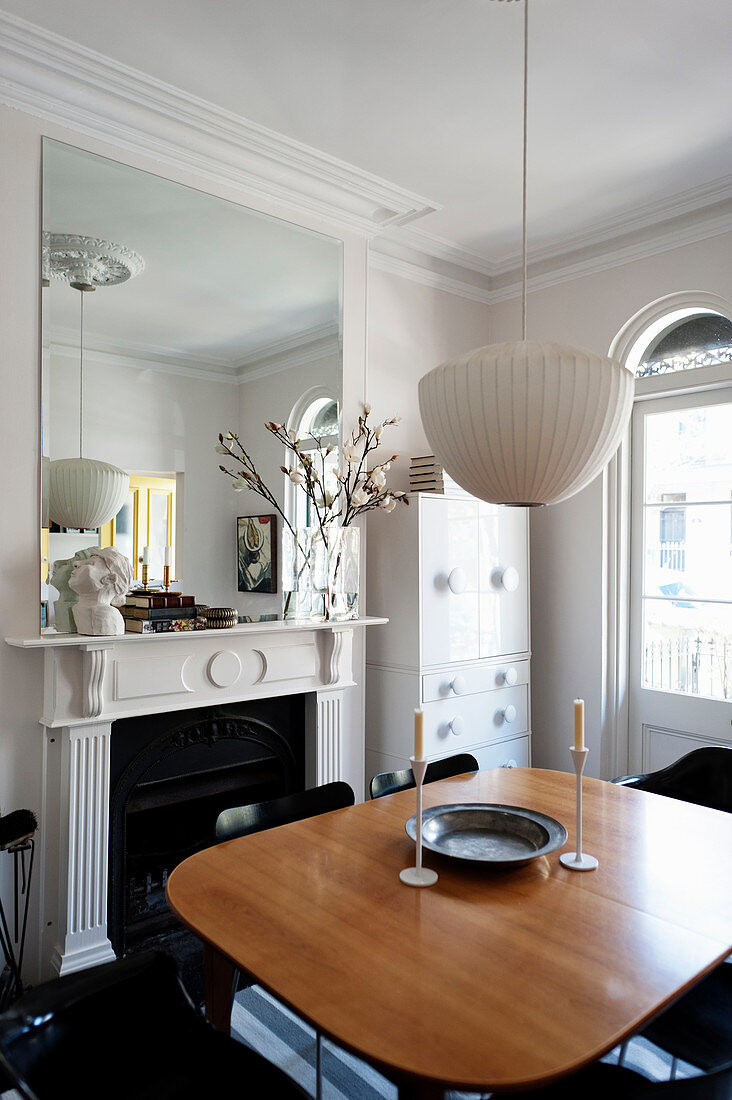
(90, 682)
(106, 678)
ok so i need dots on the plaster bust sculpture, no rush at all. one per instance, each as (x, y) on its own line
(102, 577)
(67, 598)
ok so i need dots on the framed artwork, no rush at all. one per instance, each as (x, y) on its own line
(256, 543)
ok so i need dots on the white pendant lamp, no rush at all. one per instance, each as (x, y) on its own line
(529, 422)
(86, 492)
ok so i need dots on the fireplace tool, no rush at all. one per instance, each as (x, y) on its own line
(17, 831)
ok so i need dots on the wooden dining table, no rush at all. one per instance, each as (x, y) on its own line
(490, 979)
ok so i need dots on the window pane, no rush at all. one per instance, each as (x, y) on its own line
(687, 567)
(158, 520)
(320, 419)
(123, 526)
(704, 340)
(689, 454)
(687, 551)
(687, 647)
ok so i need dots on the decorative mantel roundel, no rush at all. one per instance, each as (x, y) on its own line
(224, 668)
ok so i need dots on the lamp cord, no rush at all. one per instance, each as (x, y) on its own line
(523, 182)
(81, 376)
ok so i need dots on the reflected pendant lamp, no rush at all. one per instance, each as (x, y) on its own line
(527, 422)
(86, 492)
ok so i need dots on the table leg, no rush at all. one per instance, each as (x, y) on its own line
(219, 975)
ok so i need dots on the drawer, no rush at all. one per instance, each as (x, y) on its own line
(504, 754)
(469, 681)
(453, 724)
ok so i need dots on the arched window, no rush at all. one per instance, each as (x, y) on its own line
(316, 420)
(701, 340)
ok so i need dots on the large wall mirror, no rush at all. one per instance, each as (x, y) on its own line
(206, 317)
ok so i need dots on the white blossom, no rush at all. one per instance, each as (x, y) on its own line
(239, 486)
(222, 450)
(360, 495)
(388, 504)
(351, 454)
(367, 410)
(378, 478)
(297, 477)
(378, 431)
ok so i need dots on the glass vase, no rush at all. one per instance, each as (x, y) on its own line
(320, 574)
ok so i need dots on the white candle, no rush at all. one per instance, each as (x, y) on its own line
(579, 723)
(168, 555)
(419, 735)
(146, 555)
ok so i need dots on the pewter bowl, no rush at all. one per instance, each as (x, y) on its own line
(502, 836)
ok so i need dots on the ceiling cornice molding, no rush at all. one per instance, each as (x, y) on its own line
(59, 347)
(426, 276)
(297, 351)
(630, 251)
(305, 347)
(674, 218)
(327, 330)
(581, 256)
(440, 249)
(126, 353)
(52, 77)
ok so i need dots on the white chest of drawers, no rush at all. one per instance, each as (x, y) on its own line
(452, 575)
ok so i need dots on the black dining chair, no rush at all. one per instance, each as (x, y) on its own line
(609, 1082)
(127, 1030)
(243, 820)
(698, 1028)
(703, 776)
(403, 780)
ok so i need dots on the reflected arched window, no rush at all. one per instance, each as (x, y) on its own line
(316, 420)
(702, 340)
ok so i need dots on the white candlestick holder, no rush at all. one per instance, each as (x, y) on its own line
(578, 861)
(418, 875)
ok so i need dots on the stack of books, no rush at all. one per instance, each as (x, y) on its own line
(426, 475)
(158, 612)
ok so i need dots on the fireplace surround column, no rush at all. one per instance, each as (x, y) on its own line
(76, 828)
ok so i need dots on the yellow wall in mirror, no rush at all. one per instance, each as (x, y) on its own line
(150, 500)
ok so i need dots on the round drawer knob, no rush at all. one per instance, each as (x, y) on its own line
(510, 676)
(456, 726)
(510, 579)
(459, 685)
(457, 582)
(509, 713)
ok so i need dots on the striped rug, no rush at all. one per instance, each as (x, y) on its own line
(263, 1023)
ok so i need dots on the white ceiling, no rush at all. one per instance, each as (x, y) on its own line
(630, 102)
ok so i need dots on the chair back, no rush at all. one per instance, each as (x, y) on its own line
(703, 776)
(127, 1029)
(242, 820)
(403, 780)
(97, 1026)
(707, 1086)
